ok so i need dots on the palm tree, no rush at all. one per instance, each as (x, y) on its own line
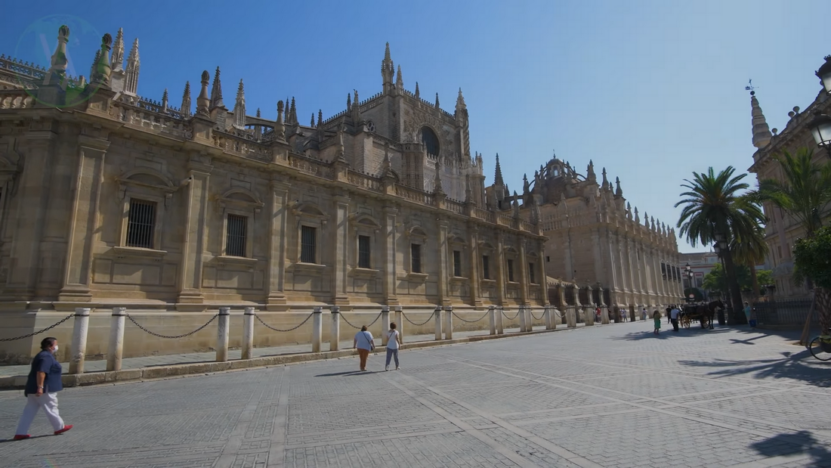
(750, 249)
(713, 206)
(806, 191)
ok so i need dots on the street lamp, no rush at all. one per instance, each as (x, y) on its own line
(689, 273)
(820, 128)
(824, 74)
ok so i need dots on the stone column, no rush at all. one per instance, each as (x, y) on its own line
(437, 317)
(399, 320)
(547, 317)
(523, 324)
(334, 331)
(492, 319)
(278, 236)
(390, 270)
(448, 315)
(317, 328)
(340, 251)
(222, 333)
(196, 223)
(116, 347)
(248, 333)
(523, 274)
(543, 281)
(473, 252)
(385, 324)
(571, 317)
(84, 217)
(78, 348)
(500, 269)
(500, 330)
(444, 297)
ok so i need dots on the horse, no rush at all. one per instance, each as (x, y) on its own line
(711, 307)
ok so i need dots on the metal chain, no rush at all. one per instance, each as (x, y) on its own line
(470, 321)
(172, 337)
(510, 318)
(287, 330)
(540, 317)
(358, 328)
(418, 324)
(39, 331)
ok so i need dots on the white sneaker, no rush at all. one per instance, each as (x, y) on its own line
(386, 368)
(397, 368)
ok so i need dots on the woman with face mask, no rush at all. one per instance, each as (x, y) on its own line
(42, 389)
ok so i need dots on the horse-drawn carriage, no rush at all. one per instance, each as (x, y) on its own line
(702, 312)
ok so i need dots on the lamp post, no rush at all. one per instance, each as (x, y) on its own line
(689, 273)
(820, 126)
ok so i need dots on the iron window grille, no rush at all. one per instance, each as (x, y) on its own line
(486, 272)
(415, 257)
(308, 244)
(531, 273)
(510, 270)
(141, 221)
(457, 263)
(236, 236)
(363, 252)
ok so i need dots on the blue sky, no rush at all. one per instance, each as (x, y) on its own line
(651, 90)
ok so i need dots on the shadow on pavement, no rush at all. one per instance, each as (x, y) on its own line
(667, 333)
(789, 444)
(335, 374)
(791, 366)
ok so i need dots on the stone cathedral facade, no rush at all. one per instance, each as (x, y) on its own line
(109, 198)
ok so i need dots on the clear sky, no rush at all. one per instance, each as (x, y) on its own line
(650, 90)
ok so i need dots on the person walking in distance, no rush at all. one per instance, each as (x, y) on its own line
(669, 310)
(365, 343)
(597, 314)
(393, 345)
(643, 314)
(623, 315)
(747, 312)
(42, 389)
(674, 317)
(656, 317)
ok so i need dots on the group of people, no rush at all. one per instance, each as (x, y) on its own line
(673, 311)
(364, 342)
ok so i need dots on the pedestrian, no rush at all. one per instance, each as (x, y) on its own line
(674, 317)
(365, 343)
(393, 345)
(597, 314)
(669, 310)
(42, 389)
(643, 314)
(747, 311)
(623, 314)
(656, 317)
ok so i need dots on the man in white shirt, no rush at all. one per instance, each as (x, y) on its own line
(673, 314)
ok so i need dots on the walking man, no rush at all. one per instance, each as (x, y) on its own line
(674, 317)
(42, 389)
(365, 343)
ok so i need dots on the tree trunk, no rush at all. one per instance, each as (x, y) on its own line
(823, 306)
(755, 282)
(732, 283)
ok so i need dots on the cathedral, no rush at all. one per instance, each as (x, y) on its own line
(108, 198)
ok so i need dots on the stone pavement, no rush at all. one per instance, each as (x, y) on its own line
(611, 396)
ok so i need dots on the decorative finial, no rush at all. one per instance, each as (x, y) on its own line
(437, 101)
(202, 101)
(216, 92)
(186, 100)
(417, 94)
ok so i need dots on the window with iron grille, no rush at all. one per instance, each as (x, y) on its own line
(457, 263)
(141, 220)
(486, 272)
(236, 235)
(510, 270)
(531, 273)
(308, 244)
(363, 252)
(415, 257)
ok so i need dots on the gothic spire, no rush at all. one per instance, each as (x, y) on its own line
(216, 92)
(319, 117)
(387, 70)
(186, 100)
(118, 51)
(399, 81)
(590, 175)
(202, 101)
(417, 94)
(164, 101)
(497, 180)
(637, 218)
(57, 68)
(605, 184)
(131, 75)
(618, 191)
(293, 112)
(761, 131)
(460, 101)
(103, 69)
(239, 107)
(437, 101)
(94, 64)
(258, 112)
(279, 128)
(313, 120)
(348, 101)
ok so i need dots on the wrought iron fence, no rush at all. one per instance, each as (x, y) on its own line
(784, 314)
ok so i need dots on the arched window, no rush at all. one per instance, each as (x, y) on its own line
(430, 140)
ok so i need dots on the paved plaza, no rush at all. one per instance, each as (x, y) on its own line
(612, 395)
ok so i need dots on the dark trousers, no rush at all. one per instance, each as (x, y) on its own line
(674, 324)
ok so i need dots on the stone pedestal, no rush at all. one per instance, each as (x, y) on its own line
(571, 317)
(500, 316)
(334, 330)
(317, 329)
(399, 321)
(549, 322)
(604, 315)
(385, 324)
(116, 347)
(588, 316)
(222, 332)
(448, 328)
(523, 320)
(78, 347)
(248, 333)
(437, 318)
(492, 319)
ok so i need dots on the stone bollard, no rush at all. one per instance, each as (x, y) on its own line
(492, 319)
(558, 317)
(571, 317)
(222, 332)
(334, 331)
(385, 324)
(588, 316)
(116, 348)
(448, 326)
(399, 320)
(500, 329)
(547, 318)
(78, 347)
(529, 319)
(437, 317)
(248, 333)
(523, 321)
(317, 328)
(604, 315)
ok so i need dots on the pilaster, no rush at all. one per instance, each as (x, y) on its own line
(444, 298)
(390, 270)
(190, 286)
(473, 253)
(523, 272)
(340, 243)
(500, 268)
(277, 238)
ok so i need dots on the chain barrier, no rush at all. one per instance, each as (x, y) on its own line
(172, 337)
(537, 318)
(358, 328)
(39, 331)
(470, 321)
(511, 318)
(418, 324)
(286, 330)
